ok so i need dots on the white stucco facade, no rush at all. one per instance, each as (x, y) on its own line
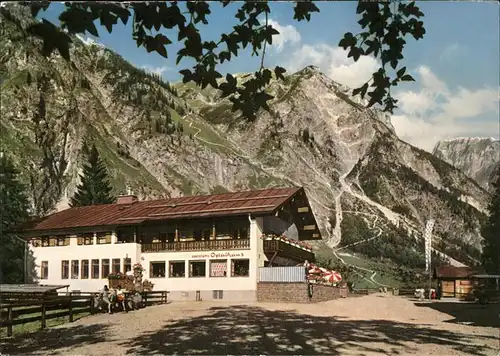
(186, 287)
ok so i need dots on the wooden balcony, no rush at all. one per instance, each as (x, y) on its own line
(288, 251)
(210, 245)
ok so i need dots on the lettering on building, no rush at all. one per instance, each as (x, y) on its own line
(219, 255)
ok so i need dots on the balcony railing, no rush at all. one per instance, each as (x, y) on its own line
(210, 245)
(287, 250)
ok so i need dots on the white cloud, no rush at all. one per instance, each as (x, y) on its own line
(437, 113)
(288, 33)
(333, 62)
(158, 70)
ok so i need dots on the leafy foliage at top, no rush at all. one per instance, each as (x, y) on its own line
(386, 25)
(94, 187)
(491, 232)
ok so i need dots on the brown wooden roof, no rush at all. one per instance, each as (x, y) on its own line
(264, 201)
(456, 272)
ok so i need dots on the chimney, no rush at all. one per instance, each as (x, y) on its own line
(128, 198)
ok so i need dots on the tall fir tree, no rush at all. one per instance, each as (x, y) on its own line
(491, 231)
(14, 212)
(94, 187)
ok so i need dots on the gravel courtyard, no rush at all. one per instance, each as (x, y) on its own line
(369, 325)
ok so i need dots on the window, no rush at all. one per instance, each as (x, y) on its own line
(157, 269)
(85, 269)
(95, 269)
(45, 241)
(218, 294)
(218, 268)
(44, 270)
(36, 242)
(52, 241)
(240, 268)
(64, 269)
(127, 264)
(105, 268)
(75, 269)
(104, 238)
(177, 269)
(116, 265)
(62, 241)
(197, 269)
(86, 239)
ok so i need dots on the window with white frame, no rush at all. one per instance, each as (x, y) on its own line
(177, 269)
(157, 269)
(65, 269)
(75, 269)
(44, 270)
(197, 268)
(240, 268)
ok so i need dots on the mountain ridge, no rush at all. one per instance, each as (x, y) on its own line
(477, 157)
(167, 140)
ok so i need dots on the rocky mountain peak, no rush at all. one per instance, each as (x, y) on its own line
(477, 157)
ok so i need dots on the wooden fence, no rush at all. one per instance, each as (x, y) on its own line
(14, 307)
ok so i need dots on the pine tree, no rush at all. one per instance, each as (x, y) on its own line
(14, 211)
(94, 187)
(491, 232)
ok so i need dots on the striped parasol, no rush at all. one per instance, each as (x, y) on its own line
(315, 270)
(332, 277)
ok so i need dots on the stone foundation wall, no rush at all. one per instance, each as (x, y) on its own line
(323, 293)
(282, 292)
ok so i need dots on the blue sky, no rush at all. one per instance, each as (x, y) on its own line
(456, 64)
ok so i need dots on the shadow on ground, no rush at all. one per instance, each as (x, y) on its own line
(252, 330)
(468, 313)
(50, 340)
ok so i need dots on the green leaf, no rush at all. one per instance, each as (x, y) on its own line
(303, 10)
(361, 90)
(401, 72)
(348, 40)
(35, 7)
(407, 78)
(52, 38)
(279, 71)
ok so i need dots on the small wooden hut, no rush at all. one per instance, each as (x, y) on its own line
(455, 282)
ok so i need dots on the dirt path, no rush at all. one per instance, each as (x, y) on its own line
(370, 325)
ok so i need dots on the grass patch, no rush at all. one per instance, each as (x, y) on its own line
(256, 181)
(218, 189)
(123, 171)
(36, 325)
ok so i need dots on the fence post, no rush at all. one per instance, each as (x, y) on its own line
(70, 307)
(9, 321)
(43, 314)
(145, 299)
(91, 304)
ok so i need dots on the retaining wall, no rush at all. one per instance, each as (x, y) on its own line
(283, 292)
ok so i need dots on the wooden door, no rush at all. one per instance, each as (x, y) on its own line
(448, 289)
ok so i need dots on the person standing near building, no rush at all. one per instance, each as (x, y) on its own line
(105, 297)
